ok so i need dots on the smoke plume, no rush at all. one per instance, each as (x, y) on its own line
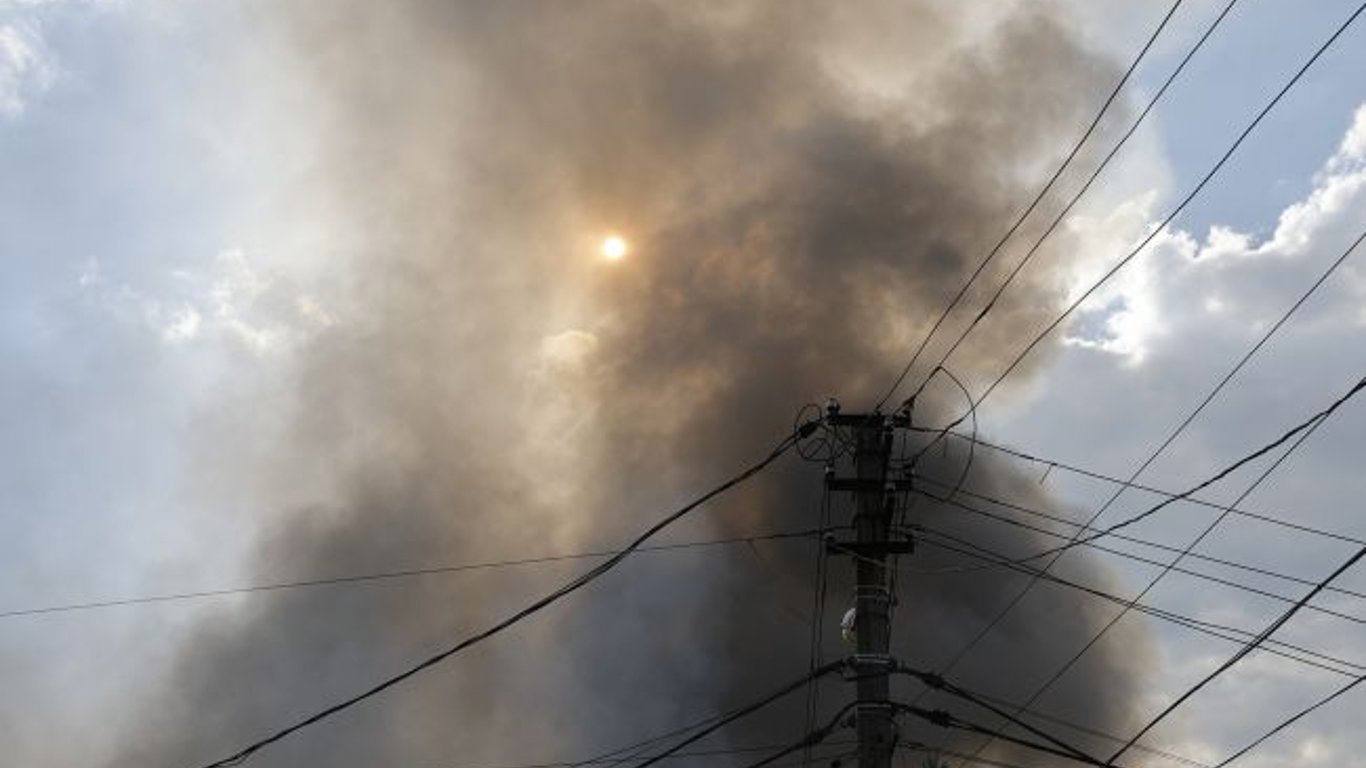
(802, 186)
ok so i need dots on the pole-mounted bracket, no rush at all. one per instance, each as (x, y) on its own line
(876, 661)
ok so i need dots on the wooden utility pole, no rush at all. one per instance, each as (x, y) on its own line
(875, 495)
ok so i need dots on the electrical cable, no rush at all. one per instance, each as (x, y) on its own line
(818, 622)
(1218, 388)
(1121, 537)
(1150, 561)
(1029, 255)
(680, 755)
(1056, 552)
(1038, 198)
(773, 578)
(573, 585)
(938, 683)
(394, 574)
(1286, 723)
(1167, 568)
(1161, 226)
(1087, 730)
(1308, 424)
(810, 739)
(633, 751)
(1232, 634)
(821, 671)
(946, 719)
(1104, 278)
(972, 447)
(926, 749)
(1279, 519)
(1241, 653)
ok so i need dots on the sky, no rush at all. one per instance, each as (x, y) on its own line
(284, 280)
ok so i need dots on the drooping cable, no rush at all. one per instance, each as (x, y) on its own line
(745, 711)
(958, 545)
(570, 587)
(1055, 552)
(1241, 653)
(938, 683)
(720, 752)
(945, 719)
(1167, 568)
(959, 504)
(1295, 718)
(1280, 519)
(1058, 518)
(1162, 225)
(1029, 209)
(967, 649)
(811, 739)
(391, 575)
(1308, 424)
(1081, 192)
(818, 620)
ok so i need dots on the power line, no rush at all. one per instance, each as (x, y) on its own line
(1150, 561)
(1241, 652)
(1095, 286)
(1120, 536)
(945, 719)
(937, 682)
(916, 746)
(1167, 568)
(1308, 424)
(1057, 551)
(1089, 731)
(1222, 383)
(1277, 520)
(1081, 192)
(394, 574)
(1038, 198)
(572, 586)
(811, 739)
(1232, 634)
(818, 622)
(994, 559)
(1286, 723)
(676, 756)
(747, 710)
(1161, 226)
(633, 751)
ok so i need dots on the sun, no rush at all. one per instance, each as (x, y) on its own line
(614, 248)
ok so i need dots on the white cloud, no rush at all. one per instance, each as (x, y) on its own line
(26, 66)
(232, 299)
(1144, 351)
(1178, 271)
(1352, 151)
(183, 326)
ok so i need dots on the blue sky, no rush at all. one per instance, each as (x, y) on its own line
(156, 287)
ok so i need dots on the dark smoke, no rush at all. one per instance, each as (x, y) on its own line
(804, 186)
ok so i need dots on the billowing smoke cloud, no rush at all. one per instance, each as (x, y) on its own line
(802, 186)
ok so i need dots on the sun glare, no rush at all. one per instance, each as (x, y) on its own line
(613, 248)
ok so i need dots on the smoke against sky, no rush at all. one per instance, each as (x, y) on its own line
(802, 188)
(491, 387)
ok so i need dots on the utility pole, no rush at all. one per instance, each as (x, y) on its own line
(875, 495)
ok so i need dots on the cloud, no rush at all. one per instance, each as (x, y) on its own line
(27, 66)
(1143, 353)
(230, 301)
(1223, 274)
